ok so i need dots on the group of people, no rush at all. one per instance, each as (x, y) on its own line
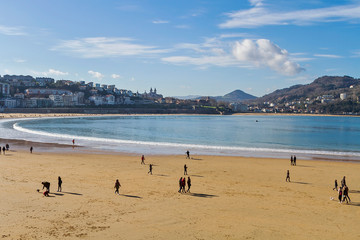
(46, 185)
(343, 191)
(4, 148)
(293, 160)
(182, 184)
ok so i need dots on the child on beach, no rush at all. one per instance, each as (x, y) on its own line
(287, 176)
(185, 169)
(336, 185)
(150, 169)
(59, 184)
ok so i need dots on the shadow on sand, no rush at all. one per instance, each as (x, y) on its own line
(78, 194)
(58, 194)
(301, 182)
(196, 159)
(192, 175)
(354, 191)
(161, 175)
(203, 195)
(130, 196)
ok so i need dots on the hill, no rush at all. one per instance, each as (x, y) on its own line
(326, 85)
(235, 96)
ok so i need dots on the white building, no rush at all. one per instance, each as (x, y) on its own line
(58, 100)
(343, 96)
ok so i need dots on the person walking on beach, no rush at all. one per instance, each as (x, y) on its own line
(340, 194)
(291, 160)
(73, 141)
(294, 160)
(31, 149)
(288, 175)
(183, 184)
(117, 186)
(59, 184)
(7, 147)
(187, 154)
(150, 169)
(46, 185)
(4, 149)
(343, 182)
(185, 169)
(346, 194)
(180, 184)
(189, 184)
(142, 159)
(336, 185)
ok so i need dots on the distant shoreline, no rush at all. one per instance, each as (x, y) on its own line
(42, 115)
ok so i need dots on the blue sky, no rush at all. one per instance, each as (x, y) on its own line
(182, 47)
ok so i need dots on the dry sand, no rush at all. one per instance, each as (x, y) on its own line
(231, 198)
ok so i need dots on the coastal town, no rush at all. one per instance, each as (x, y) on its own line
(18, 91)
(27, 92)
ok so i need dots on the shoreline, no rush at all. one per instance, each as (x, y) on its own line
(48, 147)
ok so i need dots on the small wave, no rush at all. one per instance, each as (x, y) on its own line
(230, 149)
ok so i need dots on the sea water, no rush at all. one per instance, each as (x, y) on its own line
(240, 135)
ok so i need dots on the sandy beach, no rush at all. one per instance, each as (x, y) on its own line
(231, 197)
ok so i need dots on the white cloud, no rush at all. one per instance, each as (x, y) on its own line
(96, 74)
(258, 16)
(50, 72)
(327, 56)
(19, 60)
(262, 52)
(12, 31)
(183, 26)
(235, 35)
(256, 2)
(160, 21)
(245, 54)
(99, 47)
(115, 76)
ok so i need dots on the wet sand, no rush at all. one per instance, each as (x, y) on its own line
(231, 197)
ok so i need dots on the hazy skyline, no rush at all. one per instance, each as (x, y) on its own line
(182, 48)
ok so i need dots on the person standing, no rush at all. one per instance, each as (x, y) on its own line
(117, 186)
(294, 160)
(59, 184)
(150, 169)
(4, 149)
(189, 184)
(73, 141)
(31, 149)
(291, 160)
(142, 159)
(288, 175)
(185, 169)
(187, 154)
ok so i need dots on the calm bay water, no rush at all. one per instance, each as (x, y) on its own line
(223, 135)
